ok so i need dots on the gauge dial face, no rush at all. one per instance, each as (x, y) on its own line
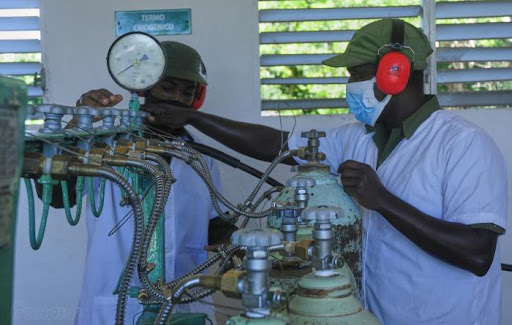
(136, 61)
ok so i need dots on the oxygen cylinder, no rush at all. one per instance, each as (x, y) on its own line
(326, 192)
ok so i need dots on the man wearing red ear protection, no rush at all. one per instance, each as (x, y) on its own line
(191, 221)
(432, 186)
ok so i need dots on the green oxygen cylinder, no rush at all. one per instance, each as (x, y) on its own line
(326, 192)
(325, 296)
(13, 111)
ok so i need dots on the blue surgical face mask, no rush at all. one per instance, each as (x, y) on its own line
(363, 103)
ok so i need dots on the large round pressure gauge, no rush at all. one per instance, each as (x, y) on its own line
(136, 61)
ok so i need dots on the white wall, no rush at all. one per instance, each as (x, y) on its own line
(76, 37)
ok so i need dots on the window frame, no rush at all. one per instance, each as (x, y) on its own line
(430, 12)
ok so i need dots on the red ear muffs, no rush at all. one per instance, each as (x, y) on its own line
(393, 73)
(199, 97)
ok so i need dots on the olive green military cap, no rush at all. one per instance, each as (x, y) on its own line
(183, 62)
(367, 41)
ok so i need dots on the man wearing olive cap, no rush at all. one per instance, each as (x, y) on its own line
(189, 212)
(431, 185)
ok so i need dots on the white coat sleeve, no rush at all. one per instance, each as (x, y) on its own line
(475, 182)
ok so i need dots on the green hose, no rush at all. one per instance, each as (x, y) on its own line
(80, 185)
(96, 211)
(65, 199)
(48, 183)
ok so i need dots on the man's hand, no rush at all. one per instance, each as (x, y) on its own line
(99, 98)
(362, 183)
(168, 116)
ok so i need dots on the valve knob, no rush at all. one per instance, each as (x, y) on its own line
(106, 112)
(109, 117)
(255, 238)
(116, 111)
(322, 214)
(81, 110)
(70, 110)
(125, 117)
(50, 109)
(300, 182)
(313, 134)
(85, 110)
(94, 112)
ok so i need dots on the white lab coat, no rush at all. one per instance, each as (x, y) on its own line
(187, 213)
(451, 170)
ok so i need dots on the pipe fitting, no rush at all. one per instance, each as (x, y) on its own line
(323, 234)
(232, 283)
(312, 155)
(301, 186)
(85, 117)
(257, 264)
(32, 165)
(109, 116)
(289, 214)
(52, 117)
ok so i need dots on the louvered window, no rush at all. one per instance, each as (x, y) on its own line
(472, 62)
(20, 48)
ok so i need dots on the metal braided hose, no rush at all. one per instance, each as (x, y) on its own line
(209, 183)
(162, 163)
(198, 293)
(264, 196)
(270, 168)
(162, 190)
(156, 211)
(225, 254)
(168, 305)
(196, 155)
(134, 201)
(204, 172)
(201, 292)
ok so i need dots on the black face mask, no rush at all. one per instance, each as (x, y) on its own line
(150, 99)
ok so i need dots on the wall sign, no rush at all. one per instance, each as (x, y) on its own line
(154, 22)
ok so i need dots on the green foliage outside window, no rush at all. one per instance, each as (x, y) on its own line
(30, 80)
(310, 91)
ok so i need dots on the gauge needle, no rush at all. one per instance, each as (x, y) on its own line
(137, 62)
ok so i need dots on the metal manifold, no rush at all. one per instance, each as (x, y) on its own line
(96, 146)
